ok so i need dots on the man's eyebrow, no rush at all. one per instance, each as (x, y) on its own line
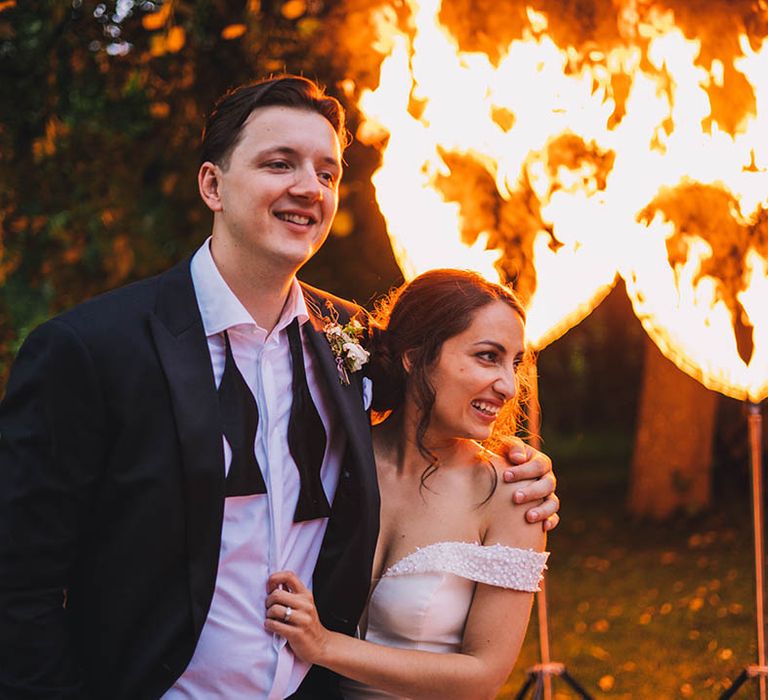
(288, 151)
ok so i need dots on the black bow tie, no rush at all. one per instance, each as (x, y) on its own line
(240, 418)
(306, 434)
(306, 437)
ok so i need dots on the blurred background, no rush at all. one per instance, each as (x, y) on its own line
(590, 152)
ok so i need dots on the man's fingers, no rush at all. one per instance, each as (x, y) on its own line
(551, 522)
(536, 466)
(516, 451)
(535, 481)
(530, 491)
(546, 509)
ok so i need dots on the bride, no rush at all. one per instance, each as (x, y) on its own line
(455, 565)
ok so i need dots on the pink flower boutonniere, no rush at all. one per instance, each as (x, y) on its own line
(345, 344)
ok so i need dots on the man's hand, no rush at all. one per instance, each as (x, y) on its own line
(528, 463)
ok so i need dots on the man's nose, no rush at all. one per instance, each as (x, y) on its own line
(306, 184)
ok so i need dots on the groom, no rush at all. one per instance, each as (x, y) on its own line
(168, 445)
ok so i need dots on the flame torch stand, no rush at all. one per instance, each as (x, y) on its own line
(540, 675)
(758, 671)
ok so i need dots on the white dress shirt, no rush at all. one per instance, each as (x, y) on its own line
(236, 658)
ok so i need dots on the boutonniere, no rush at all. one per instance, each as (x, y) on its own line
(345, 343)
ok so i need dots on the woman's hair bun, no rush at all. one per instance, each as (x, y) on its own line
(385, 370)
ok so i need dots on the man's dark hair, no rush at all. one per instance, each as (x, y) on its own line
(224, 125)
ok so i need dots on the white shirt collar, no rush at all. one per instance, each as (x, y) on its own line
(221, 309)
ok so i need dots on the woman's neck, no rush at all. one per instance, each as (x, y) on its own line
(397, 443)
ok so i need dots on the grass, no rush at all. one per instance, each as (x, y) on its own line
(641, 610)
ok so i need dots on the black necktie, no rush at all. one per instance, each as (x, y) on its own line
(240, 418)
(306, 437)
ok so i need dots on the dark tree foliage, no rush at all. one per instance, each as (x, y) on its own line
(101, 108)
(590, 378)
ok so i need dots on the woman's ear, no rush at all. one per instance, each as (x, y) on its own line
(208, 185)
(407, 361)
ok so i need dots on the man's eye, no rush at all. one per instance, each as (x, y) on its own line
(278, 165)
(328, 178)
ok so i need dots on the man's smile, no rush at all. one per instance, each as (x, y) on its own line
(295, 218)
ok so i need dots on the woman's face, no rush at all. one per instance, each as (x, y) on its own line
(475, 374)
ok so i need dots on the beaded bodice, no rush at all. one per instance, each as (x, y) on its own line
(496, 565)
(422, 601)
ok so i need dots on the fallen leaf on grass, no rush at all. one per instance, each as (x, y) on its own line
(606, 683)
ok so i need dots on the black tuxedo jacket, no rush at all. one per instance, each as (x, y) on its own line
(112, 495)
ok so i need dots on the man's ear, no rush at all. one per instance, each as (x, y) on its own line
(208, 185)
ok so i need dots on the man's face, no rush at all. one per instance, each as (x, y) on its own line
(279, 190)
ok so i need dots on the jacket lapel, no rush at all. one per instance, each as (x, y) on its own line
(343, 571)
(182, 347)
(348, 398)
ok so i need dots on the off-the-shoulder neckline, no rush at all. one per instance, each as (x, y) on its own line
(498, 547)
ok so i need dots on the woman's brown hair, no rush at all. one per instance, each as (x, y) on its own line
(414, 322)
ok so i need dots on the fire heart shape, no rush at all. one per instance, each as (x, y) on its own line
(558, 165)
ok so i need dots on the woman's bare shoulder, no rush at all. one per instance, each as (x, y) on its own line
(505, 519)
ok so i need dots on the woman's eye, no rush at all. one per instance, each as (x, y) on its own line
(488, 355)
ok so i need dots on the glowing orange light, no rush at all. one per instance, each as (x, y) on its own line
(525, 164)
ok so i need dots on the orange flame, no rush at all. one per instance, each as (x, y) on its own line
(558, 168)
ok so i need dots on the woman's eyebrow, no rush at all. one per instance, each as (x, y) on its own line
(492, 343)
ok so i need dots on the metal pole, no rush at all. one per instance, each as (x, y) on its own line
(534, 427)
(755, 422)
(757, 671)
(540, 675)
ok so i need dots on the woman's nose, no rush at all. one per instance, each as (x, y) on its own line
(506, 384)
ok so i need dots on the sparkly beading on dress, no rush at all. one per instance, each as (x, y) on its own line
(496, 565)
(423, 600)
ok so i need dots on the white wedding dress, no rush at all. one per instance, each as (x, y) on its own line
(423, 600)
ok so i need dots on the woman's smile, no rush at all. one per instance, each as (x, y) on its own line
(475, 374)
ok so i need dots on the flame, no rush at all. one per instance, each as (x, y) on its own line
(560, 168)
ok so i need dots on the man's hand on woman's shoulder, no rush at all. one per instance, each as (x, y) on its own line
(527, 463)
